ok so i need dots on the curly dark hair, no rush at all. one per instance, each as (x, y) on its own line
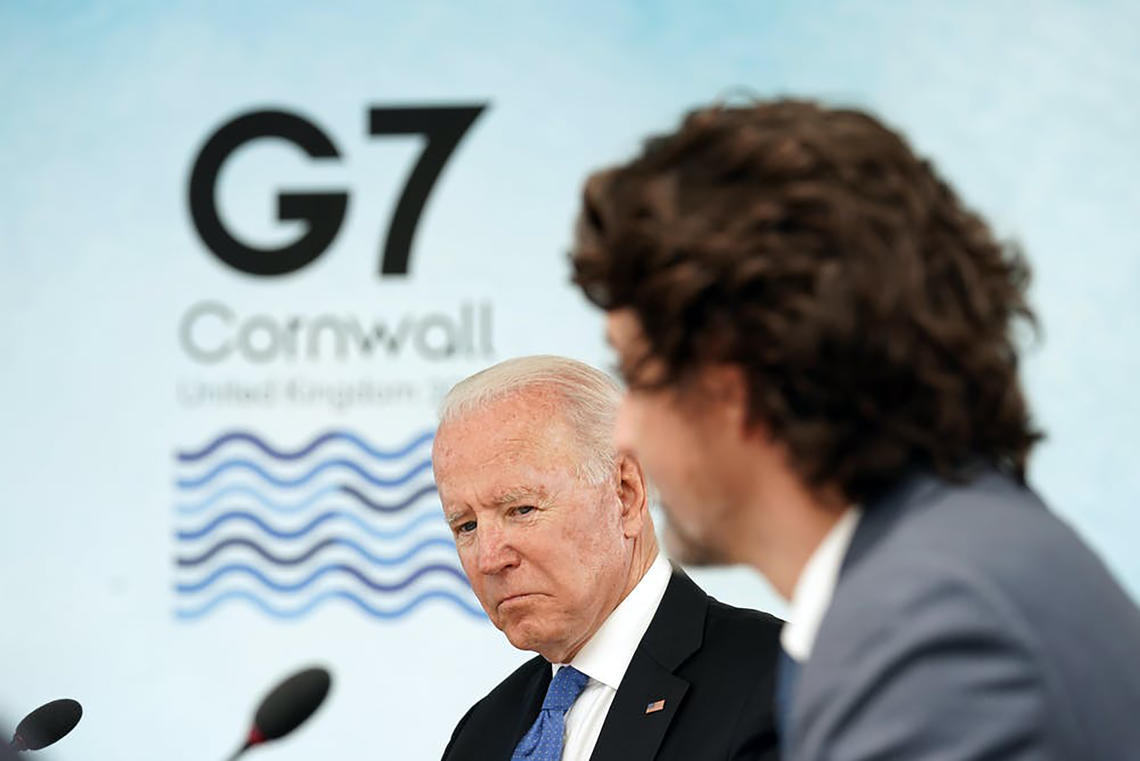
(872, 313)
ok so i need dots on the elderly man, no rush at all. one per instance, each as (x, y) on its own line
(818, 337)
(553, 529)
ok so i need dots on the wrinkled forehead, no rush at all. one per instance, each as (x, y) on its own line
(494, 472)
(525, 432)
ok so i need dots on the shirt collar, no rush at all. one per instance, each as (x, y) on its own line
(812, 594)
(606, 655)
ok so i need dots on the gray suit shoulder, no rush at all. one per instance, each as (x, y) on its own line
(963, 596)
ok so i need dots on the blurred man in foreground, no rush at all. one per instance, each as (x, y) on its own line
(553, 530)
(818, 340)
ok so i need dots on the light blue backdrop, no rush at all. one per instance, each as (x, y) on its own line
(1030, 109)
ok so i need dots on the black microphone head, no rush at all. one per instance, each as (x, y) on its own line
(47, 724)
(291, 702)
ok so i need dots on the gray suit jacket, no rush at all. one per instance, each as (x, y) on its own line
(970, 624)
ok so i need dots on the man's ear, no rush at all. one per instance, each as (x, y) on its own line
(632, 493)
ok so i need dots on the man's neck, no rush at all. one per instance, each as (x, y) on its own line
(644, 553)
(787, 524)
(641, 559)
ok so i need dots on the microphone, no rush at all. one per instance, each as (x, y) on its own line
(287, 706)
(47, 724)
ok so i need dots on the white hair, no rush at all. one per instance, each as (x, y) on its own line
(590, 397)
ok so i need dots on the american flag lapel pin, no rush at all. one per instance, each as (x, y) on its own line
(655, 706)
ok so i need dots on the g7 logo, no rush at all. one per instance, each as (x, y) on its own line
(443, 126)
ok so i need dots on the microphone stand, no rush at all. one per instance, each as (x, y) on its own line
(239, 751)
(255, 738)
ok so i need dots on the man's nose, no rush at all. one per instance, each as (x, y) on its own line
(495, 552)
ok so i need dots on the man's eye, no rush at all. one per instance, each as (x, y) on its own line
(524, 509)
(465, 528)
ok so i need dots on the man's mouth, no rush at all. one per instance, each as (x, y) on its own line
(516, 598)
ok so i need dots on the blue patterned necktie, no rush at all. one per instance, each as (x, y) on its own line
(543, 741)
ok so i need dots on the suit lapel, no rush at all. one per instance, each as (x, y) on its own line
(517, 719)
(629, 732)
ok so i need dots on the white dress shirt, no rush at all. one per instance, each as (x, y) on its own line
(812, 595)
(606, 656)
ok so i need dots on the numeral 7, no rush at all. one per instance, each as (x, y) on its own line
(444, 127)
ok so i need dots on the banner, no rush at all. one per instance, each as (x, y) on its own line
(245, 250)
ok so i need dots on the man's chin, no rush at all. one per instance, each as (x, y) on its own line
(523, 623)
(526, 637)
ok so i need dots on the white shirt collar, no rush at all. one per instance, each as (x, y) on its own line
(606, 655)
(812, 594)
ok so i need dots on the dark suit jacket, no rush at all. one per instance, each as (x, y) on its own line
(712, 664)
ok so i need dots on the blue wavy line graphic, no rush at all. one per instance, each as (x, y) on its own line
(293, 613)
(379, 560)
(241, 568)
(191, 508)
(379, 507)
(247, 465)
(243, 515)
(316, 443)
